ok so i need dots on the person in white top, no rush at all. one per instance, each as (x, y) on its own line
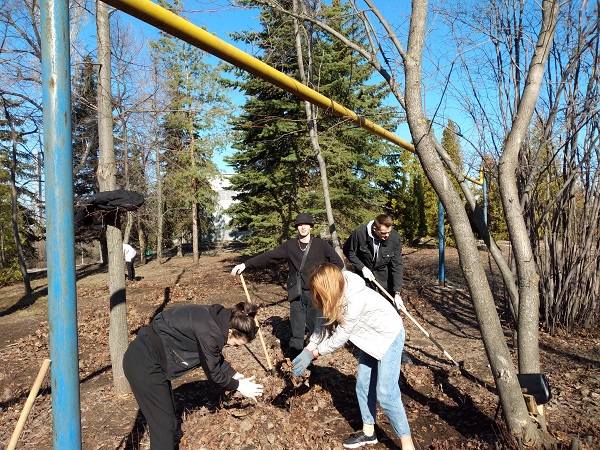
(129, 254)
(365, 318)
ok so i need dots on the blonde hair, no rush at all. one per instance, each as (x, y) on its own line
(327, 291)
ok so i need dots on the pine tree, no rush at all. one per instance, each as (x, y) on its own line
(277, 172)
(15, 167)
(85, 129)
(197, 106)
(452, 146)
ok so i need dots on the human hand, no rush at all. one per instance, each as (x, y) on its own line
(302, 361)
(248, 388)
(398, 303)
(238, 376)
(238, 269)
(366, 272)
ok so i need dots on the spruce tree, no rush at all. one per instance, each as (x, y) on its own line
(277, 172)
(85, 129)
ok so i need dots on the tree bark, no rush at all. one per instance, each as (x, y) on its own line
(503, 370)
(107, 180)
(311, 121)
(159, 208)
(141, 240)
(195, 237)
(529, 301)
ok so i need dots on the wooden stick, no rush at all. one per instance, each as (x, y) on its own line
(425, 332)
(262, 341)
(28, 404)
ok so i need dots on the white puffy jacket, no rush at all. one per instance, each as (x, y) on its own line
(370, 321)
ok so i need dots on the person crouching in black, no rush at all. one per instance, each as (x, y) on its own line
(177, 341)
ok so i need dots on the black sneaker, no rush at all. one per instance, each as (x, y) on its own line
(359, 439)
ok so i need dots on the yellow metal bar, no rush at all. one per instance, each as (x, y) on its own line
(171, 23)
(473, 180)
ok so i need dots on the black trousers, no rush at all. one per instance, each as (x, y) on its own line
(130, 269)
(154, 395)
(303, 319)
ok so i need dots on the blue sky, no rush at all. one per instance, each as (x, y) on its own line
(220, 19)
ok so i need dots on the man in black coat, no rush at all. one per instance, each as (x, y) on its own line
(303, 315)
(375, 250)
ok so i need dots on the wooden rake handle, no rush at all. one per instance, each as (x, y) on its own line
(262, 340)
(28, 404)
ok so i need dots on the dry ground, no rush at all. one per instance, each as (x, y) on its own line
(446, 409)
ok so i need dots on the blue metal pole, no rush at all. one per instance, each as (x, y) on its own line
(60, 232)
(441, 266)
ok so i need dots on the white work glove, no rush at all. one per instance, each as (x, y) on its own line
(249, 388)
(368, 274)
(238, 376)
(238, 269)
(398, 303)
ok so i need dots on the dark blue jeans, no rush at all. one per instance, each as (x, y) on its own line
(303, 318)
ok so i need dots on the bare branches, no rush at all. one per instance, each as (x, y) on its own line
(369, 55)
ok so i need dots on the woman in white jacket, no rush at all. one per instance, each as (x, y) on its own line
(370, 322)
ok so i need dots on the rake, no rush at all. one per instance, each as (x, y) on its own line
(262, 340)
(413, 320)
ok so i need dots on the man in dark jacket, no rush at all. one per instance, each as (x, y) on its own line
(375, 250)
(177, 341)
(303, 315)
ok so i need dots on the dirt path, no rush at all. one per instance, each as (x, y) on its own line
(446, 410)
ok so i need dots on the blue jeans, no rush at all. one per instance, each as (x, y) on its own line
(377, 381)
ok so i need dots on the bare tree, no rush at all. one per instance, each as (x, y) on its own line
(437, 164)
(311, 120)
(107, 179)
(560, 175)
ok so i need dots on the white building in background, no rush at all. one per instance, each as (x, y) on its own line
(223, 232)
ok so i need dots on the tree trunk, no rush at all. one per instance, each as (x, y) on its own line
(14, 201)
(311, 121)
(195, 234)
(141, 240)
(503, 370)
(529, 301)
(107, 180)
(159, 208)
(129, 221)
(195, 237)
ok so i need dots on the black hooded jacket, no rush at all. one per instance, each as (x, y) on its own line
(185, 337)
(386, 264)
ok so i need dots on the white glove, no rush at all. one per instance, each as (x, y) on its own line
(238, 376)
(249, 388)
(398, 303)
(368, 274)
(238, 269)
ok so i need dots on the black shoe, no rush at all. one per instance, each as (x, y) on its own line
(405, 359)
(359, 439)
